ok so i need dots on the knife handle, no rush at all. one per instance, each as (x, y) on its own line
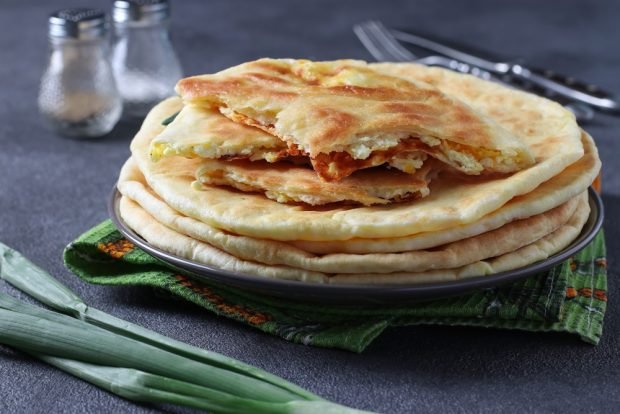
(567, 87)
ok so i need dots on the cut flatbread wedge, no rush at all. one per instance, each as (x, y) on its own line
(346, 116)
(201, 132)
(286, 182)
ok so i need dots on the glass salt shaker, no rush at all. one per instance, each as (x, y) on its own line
(78, 95)
(143, 59)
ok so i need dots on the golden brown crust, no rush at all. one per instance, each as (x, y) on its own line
(345, 106)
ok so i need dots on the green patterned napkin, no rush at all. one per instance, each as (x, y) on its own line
(570, 298)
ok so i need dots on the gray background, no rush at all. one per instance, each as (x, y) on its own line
(52, 189)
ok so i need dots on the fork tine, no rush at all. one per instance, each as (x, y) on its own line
(370, 42)
(381, 43)
(393, 46)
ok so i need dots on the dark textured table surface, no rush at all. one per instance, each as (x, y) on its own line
(52, 189)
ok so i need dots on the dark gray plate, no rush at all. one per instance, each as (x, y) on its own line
(359, 294)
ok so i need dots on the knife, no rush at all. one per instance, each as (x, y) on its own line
(552, 82)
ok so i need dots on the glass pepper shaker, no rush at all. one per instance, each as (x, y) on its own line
(143, 59)
(78, 95)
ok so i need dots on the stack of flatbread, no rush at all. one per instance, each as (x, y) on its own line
(349, 172)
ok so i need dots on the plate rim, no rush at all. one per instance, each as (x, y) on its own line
(365, 292)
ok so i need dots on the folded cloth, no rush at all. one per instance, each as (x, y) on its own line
(570, 298)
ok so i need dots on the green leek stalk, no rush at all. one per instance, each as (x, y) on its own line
(145, 387)
(27, 277)
(110, 353)
(83, 342)
(40, 332)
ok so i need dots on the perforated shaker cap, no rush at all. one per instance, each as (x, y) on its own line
(146, 11)
(78, 23)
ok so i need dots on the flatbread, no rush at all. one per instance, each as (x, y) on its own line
(507, 238)
(346, 116)
(450, 204)
(176, 243)
(289, 183)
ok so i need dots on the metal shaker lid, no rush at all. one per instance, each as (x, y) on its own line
(144, 11)
(78, 23)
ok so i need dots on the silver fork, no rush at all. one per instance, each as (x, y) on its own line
(383, 46)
